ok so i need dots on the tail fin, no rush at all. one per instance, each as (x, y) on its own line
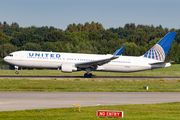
(160, 50)
(119, 51)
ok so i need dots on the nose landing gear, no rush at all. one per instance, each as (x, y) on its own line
(16, 68)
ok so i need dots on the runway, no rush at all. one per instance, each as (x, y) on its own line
(10, 101)
(94, 77)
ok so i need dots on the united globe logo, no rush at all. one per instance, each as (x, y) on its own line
(156, 52)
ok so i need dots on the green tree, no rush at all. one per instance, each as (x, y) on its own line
(109, 36)
(93, 26)
(5, 49)
(54, 36)
(9, 31)
(5, 25)
(99, 26)
(72, 28)
(130, 49)
(86, 27)
(76, 37)
(43, 30)
(31, 46)
(1, 26)
(49, 46)
(14, 24)
(3, 38)
(60, 45)
(67, 47)
(80, 27)
(174, 52)
(127, 26)
(94, 36)
(152, 43)
(85, 47)
(21, 38)
(75, 27)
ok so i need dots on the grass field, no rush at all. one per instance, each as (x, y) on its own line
(163, 111)
(91, 85)
(172, 71)
(88, 85)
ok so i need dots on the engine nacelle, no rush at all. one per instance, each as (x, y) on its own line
(68, 68)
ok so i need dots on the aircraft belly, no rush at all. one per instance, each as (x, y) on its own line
(36, 64)
(124, 68)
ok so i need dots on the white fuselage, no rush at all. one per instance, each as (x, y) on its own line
(36, 59)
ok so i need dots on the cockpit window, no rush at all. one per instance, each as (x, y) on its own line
(11, 55)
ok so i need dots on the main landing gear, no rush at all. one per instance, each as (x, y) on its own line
(16, 68)
(88, 74)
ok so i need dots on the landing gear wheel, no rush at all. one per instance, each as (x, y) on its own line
(17, 72)
(90, 75)
(16, 68)
(85, 75)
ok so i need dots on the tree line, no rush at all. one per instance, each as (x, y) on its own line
(85, 38)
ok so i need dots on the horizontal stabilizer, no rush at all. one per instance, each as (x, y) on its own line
(119, 51)
(158, 63)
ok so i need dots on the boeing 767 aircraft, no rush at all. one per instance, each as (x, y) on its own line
(71, 62)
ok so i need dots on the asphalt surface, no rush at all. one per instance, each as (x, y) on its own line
(10, 101)
(106, 77)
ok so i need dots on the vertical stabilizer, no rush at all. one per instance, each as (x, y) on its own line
(119, 51)
(160, 50)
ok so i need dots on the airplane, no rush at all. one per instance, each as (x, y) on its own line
(72, 62)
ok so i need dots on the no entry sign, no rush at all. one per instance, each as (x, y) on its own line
(107, 113)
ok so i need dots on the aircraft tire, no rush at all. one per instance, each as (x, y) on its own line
(17, 72)
(85, 75)
(90, 75)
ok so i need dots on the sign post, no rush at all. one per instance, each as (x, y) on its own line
(106, 113)
(79, 107)
(74, 107)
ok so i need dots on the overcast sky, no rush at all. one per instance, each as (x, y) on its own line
(110, 13)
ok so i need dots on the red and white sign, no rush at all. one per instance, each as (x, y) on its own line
(106, 113)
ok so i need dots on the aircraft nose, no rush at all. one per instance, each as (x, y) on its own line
(6, 59)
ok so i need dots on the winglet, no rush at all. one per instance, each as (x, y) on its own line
(119, 51)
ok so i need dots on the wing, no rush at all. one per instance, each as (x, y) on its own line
(94, 64)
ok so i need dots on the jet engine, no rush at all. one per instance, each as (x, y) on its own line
(68, 68)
